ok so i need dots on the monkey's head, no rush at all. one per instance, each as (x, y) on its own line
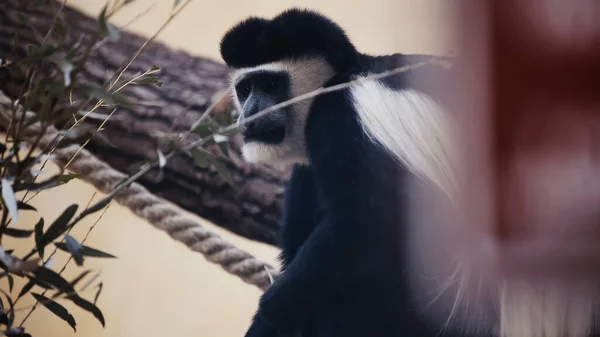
(275, 60)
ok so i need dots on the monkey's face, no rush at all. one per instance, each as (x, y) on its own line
(277, 136)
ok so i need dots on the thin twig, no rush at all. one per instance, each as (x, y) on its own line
(143, 47)
(133, 58)
(54, 20)
(208, 111)
(117, 76)
(127, 24)
(182, 113)
(100, 127)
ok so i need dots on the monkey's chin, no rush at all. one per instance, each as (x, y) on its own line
(261, 153)
(278, 155)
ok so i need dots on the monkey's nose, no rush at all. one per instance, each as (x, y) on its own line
(263, 130)
(252, 129)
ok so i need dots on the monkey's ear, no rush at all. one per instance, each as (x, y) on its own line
(242, 45)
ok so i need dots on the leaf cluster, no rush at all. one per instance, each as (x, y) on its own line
(52, 79)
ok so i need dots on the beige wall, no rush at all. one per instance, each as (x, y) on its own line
(376, 26)
(158, 287)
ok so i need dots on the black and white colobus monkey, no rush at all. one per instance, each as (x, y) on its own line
(350, 266)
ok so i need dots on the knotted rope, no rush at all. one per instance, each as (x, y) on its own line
(146, 205)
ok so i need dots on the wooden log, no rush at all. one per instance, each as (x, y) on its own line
(251, 207)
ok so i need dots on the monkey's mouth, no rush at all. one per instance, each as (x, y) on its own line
(263, 130)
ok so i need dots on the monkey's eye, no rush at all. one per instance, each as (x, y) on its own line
(244, 88)
(247, 88)
(270, 86)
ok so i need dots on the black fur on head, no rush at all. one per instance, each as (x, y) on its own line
(294, 33)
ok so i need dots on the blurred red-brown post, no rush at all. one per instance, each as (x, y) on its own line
(526, 94)
(529, 97)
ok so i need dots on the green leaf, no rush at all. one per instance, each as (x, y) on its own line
(39, 282)
(224, 149)
(25, 207)
(51, 182)
(205, 129)
(36, 54)
(113, 32)
(200, 158)
(135, 168)
(8, 195)
(228, 118)
(176, 3)
(36, 94)
(89, 307)
(102, 23)
(222, 169)
(98, 292)
(26, 288)
(86, 251)
(92, 252)
(39, 234)
(61, 29)
(149, 80)
(82, 130)
(56, 309)
(17, 233)
(98, 206)
(72, 52)
(74, 248)
(52, 278)
(11, 282)
(44, 111)
(109, 98)
(62, 246)
(79, 278)
(65, 178)
(59, 226)
(101, 138)
(154, 67)
(216, 163)
(11, 308)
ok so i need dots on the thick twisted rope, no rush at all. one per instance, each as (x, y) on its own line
(146, 205)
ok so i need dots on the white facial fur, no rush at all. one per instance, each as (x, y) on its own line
(306, 75)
